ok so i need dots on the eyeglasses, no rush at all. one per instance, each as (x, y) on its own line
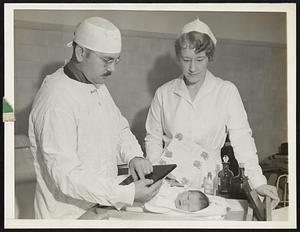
(108, 61)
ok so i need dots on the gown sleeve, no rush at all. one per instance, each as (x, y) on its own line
(128, 144)
(154, 128)
(240, 135)
(56, 136)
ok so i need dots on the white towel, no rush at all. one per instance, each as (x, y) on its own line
(164, 202)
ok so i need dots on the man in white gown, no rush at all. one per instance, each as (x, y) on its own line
(78, 135)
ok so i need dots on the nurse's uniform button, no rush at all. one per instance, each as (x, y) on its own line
(179, 136)
(168, 153)
(204, 155)
(197, 164)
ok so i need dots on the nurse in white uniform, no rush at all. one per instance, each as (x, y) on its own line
(202, 108)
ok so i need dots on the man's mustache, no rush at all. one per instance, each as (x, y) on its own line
(107, 73)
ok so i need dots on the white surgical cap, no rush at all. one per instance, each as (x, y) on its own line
(199, 26)
(98, 34)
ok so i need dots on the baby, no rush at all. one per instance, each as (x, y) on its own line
(191, 201)
(180, 198)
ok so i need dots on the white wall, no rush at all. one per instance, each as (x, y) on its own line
(263, 27)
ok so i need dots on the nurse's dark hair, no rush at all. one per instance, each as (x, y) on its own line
(195, 40)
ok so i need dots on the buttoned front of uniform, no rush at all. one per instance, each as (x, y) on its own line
(216, 108)
(96, 104)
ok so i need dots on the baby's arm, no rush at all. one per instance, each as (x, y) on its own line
(171, 180)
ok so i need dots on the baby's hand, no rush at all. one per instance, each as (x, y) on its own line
(172, 181)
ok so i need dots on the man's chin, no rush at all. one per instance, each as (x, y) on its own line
(100, 81)
(103, 78)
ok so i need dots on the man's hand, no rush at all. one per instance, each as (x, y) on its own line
(139, 167)
(271, 191)
(143, 193)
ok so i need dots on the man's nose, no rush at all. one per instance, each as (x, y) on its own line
(111, 67)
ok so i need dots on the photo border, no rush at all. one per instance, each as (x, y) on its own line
(9, 183)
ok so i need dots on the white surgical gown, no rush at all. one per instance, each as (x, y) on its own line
(217, 106)
(78, 136)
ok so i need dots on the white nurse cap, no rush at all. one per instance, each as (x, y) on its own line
(98, 34)
(199, 26)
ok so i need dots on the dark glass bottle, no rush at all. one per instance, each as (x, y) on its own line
(237, 183)
(225, 176)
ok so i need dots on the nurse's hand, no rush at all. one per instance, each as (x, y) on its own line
(144, 192)
(271, 191)
(139, 167)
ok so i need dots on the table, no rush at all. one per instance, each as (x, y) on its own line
(238, 212)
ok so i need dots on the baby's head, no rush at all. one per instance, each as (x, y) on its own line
(191, 201)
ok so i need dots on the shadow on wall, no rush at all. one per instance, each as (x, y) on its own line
(165, 68)
(23, 115)
(47, 70)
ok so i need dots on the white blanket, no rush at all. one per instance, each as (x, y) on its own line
(164, 203)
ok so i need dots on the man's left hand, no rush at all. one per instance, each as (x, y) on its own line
(139, 167)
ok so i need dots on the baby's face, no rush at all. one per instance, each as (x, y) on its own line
(191, 201)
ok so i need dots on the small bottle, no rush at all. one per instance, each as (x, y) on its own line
(216, 180)
(208, 186)
(237, 183)
(225, 176)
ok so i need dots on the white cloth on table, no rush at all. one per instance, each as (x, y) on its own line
(216, 109)
(281, 214)
(78, 136)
